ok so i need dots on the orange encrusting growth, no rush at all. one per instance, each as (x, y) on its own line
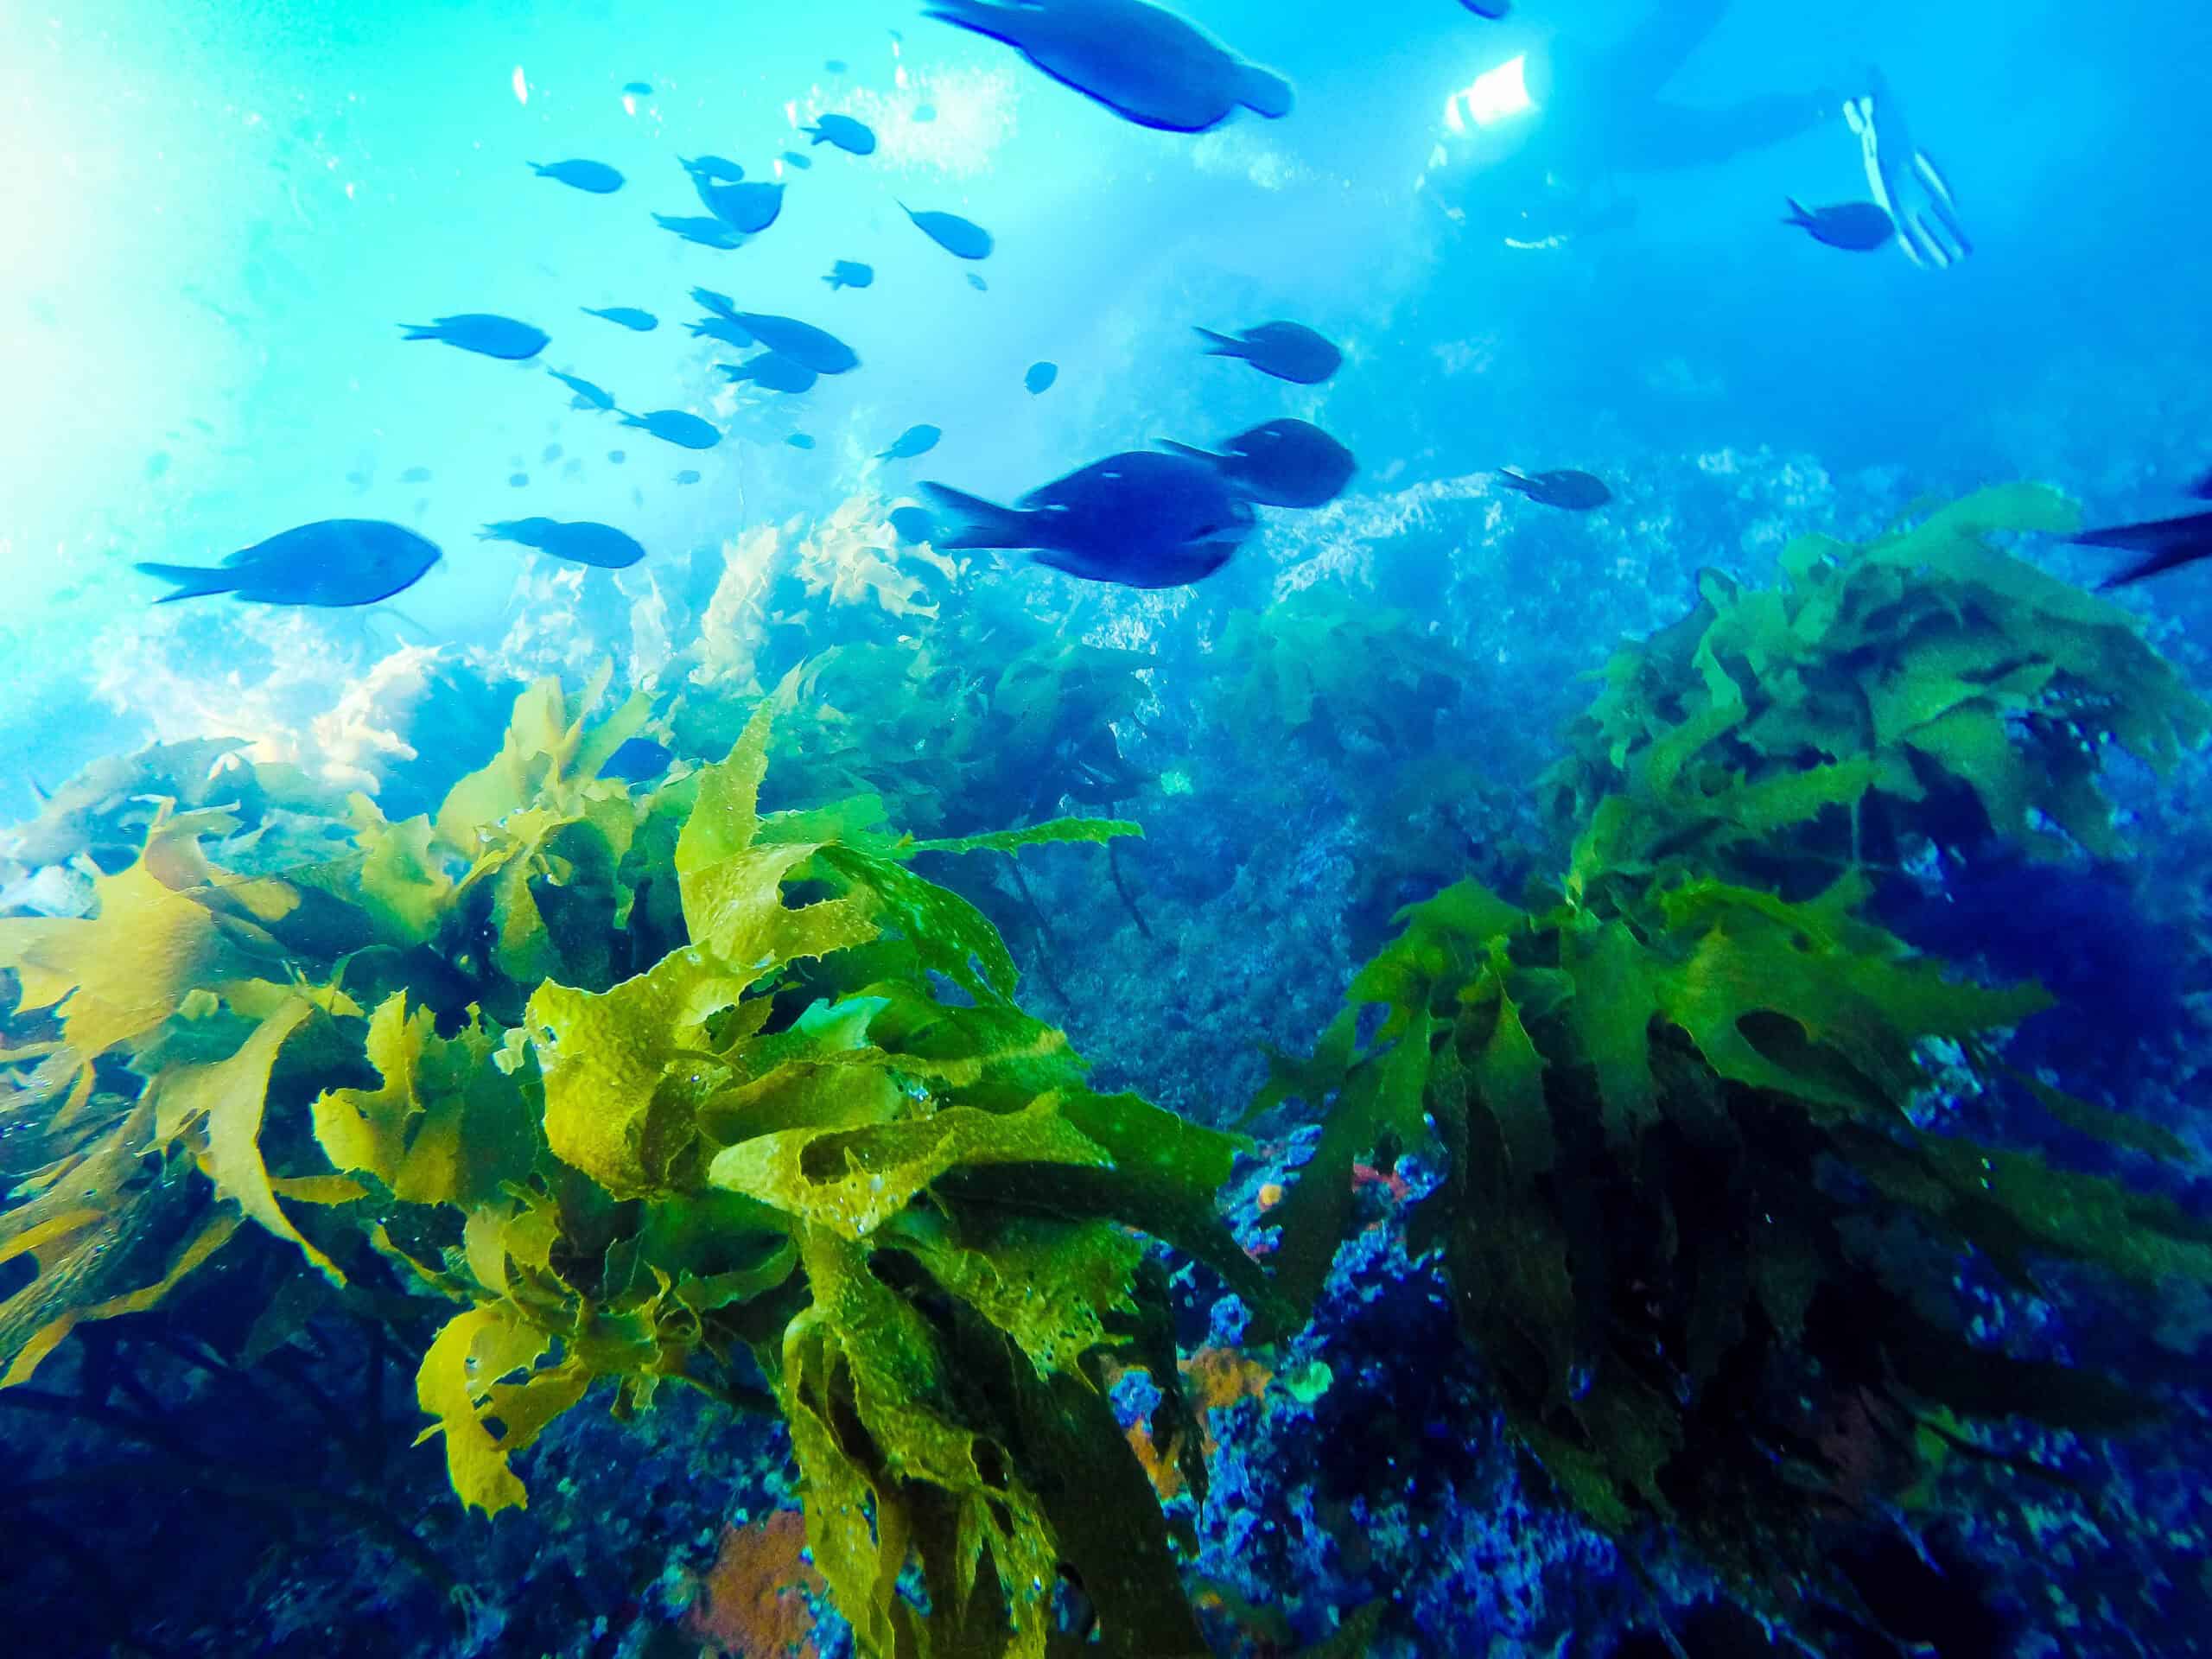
(754, 1604)
(1216, 1378)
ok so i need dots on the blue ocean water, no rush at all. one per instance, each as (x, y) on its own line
(1552, 241)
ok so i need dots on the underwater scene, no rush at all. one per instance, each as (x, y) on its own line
(1011, 829)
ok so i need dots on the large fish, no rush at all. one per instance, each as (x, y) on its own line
(1146, 64)
(963, 237)
(2167, 544)
(629, 316)
(1139, 519)
(914, 441)
(332, 562)
(1564, 488)
(773, 372)
(1283, 463)
(1288, 350)
(596, 178)
(852, 136)
(582, 540)
(483, 333)
(748, 209)
(1854, 226)
(675, 426)
(802, 342)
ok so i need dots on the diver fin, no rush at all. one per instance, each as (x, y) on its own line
(973, 521)
(1224, 345)
(193, 580)
(1264, 91)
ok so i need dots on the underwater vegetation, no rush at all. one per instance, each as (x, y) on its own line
(577, 1084)
(1925, 688)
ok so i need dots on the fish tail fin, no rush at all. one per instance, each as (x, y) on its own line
(193, 580)
(628, 419)
(1265, 93)
(818, 135)
(421, 331)
(1222, 345)
(834, 283)
(973, 522)
(540, 169)
(1797, 214)
(1192, 451)
(1513, 480)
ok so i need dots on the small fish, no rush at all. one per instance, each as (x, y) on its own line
(793, 158)
(642, 322)
(588, 396)
(962, 238)
(1146, 64)
(517, 481)
(675, 426)
(574, 468)
(834, 65)
(1566, 488)
(913, 524)
(618, 456)
(638, 89)
(2167, 543)
(416, 475)
(1854, 226)
(581, 542)
(334, 561)
(914, 441)
(1140, 519)
(1288, 350)
(852, 136)
(636, 760)
(595, 178)
(1282, 463)
(800, 441)
(483, 333)
(552, 454)
(714, 168)
(1040, 377)
(706, 232)
(748, 209)
(773, 372)
(728, 330)
(978, 283)
(689, 475)
(851, 273)
(924, 114)
(1493, 10)
(720, 304)
(802, 342)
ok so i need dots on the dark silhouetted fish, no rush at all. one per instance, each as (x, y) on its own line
(805, 164)
(714, 168)
(689, 475)
(581, 541)
(748, 209)
(334, 561)
(1282, 463)
(2167, 544)
(675, 426)
(638, 89)
(1854, 226)
(728, 330)
(706, 232)
(483, 333)
(635, 760)
(588, 395)
(1288, 350)
(1146, 64)
(1140, 518)
(851, 273)
(1040, 377)
(914, 441)
(913, 524)
(416, 475)
(962, 237)
(773, 372)
(596, 178)
(852, 136)
(1572, 491)
(642, 322)
(800, 441)
(720, 304)
(802, 342)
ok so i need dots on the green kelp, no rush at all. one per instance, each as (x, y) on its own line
(1924, 685)
(812, 1157)
(1666, 1113)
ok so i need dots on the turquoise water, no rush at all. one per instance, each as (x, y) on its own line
(216, 222)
